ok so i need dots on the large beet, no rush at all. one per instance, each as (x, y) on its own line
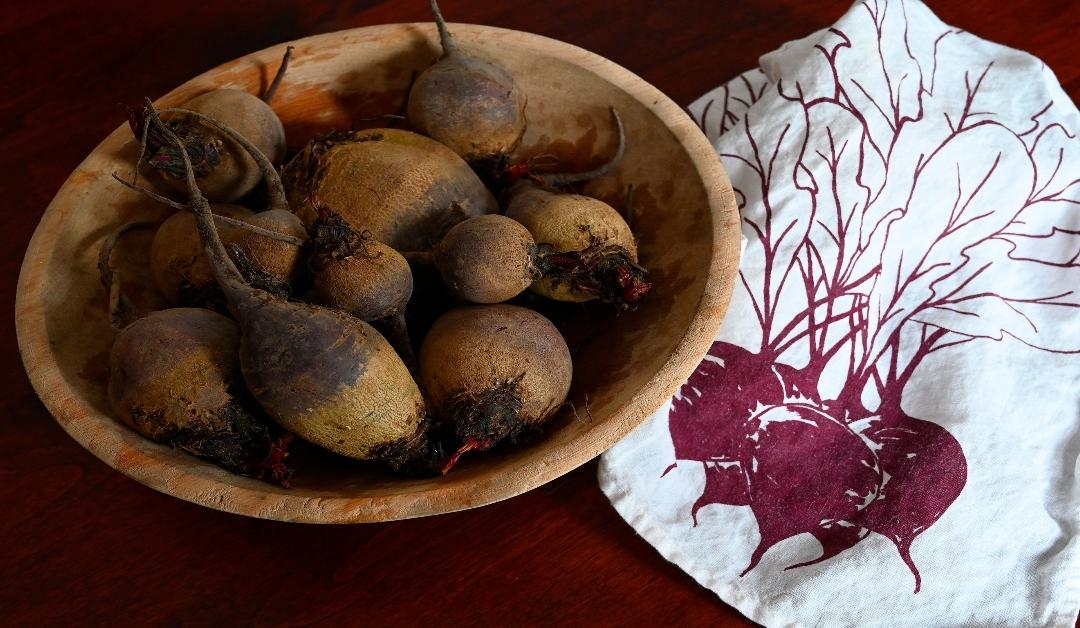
(401, 188)
(494, 372)
(174, 377)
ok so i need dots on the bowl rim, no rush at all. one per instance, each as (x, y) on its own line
(78, 418)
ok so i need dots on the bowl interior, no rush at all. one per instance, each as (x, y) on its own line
(625, 366)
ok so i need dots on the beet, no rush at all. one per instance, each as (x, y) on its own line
(487, 259)
(766, 439)
(180, 269)
(494, 373)
(927, 470)
(174, 377)
(400, 188)
(279, 262)
(491, 259)
(786, 441)
(589, 248)
(471, 105)
(363, 277)
(590, 252)
(371, 284)
(224, 169)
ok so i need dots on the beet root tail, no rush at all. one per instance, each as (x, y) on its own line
(470, 445)
(272, 467)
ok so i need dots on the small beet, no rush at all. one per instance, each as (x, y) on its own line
(278, 259)
(224, 169)
(589, 248)
(401, 188)
(180, 269)
(371, 284)
(363, 277)
(174, 377)
(494, 373)
(321, 373)
(472, 106)
(182, 274)
(599, 253)
(487, 259)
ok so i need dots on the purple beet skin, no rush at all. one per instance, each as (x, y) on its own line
(927, 470)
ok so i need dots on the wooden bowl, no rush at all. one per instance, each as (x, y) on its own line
(625, 367)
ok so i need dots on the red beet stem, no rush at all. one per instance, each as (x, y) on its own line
(634, 287)
(515, 172)
(273, 467)
(606, 272)
(470, 444)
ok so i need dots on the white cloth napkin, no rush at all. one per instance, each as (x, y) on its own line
(887, 430)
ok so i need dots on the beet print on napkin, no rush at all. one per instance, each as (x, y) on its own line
(911, 203)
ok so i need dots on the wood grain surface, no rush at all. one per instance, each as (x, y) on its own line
(82, 545)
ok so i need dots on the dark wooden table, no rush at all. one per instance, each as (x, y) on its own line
(80, 544)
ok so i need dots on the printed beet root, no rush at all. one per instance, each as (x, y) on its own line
(471, 105)
(225, 171)
(494, 373)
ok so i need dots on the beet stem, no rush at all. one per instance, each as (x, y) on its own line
(570, 178)
(272, 467)
(266, 233)
(225, 271)
(269, 172)
(270, 91)
(452, 460)
(448, 45)
(142, 150)
(149, 193)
